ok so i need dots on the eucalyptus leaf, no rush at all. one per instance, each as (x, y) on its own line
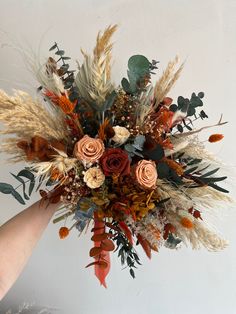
(6, 188)
(23, 185)
(53, 47)
(18, 197)
(60, 52)
(172, 241)
(132, 272)
(28, 175)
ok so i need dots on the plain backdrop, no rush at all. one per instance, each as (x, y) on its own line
(203, 34)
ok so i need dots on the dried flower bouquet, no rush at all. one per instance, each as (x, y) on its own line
(127, 158)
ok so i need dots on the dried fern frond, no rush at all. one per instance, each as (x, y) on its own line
(167, 80)
(93, 79)
(23, 118)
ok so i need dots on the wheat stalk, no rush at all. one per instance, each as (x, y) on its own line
(93, 79)
(167, 80)
(23, 118)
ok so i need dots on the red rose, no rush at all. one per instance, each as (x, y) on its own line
(115, 161)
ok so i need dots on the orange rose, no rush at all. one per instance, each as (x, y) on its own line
(146, 174)
(89, 149)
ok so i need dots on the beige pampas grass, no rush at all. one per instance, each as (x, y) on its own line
(167, 80)
(23, 118)
(197, 236)
(93, 79)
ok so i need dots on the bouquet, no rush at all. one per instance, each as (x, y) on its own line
(125, 159)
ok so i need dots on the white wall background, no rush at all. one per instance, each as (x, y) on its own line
(203, 32)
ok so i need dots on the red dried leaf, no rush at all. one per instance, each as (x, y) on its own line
(99, 237)
(96, 229)
(107, 245)
(145, 245)
(127, 231)
(101, 264)
(197, 214)
(95, 251)
(109, 225)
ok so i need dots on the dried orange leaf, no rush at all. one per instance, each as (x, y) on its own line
(99, 237)
(101, 264)
(95, 251)
(107, 245)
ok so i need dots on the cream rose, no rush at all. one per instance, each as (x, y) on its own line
(121, 134)
(146, 174)
(94, 177)
(89, 149)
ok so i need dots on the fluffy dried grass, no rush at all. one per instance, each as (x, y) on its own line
(23, 118)
(93, 79)
(200, 235)
(167, 80)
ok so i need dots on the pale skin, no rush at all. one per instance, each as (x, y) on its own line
(18, 237)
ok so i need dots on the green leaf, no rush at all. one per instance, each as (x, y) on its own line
(194, 161)
(196, 101)
(191, 111)
(139, 64)
(200, 94)
(138, 68)
(29, 175)
(163, 170)
(209, 173)
(182, 102)
(53, 47)
(172, 241)
(173, 108)
(23, 185)
(109, 101)
(64, 67)
(126, 86)
(18, 197)
(9, 189)
(218, 188)
(156, 154)
(174, 177)
(60, 52)
(211, 180)
(6, 188)
(180, 128)
(190, 170)
(132, 272)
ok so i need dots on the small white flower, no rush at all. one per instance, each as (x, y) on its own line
(94, 177)
(121, 134)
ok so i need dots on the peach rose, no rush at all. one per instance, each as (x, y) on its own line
(146, 174)
(89, 149)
